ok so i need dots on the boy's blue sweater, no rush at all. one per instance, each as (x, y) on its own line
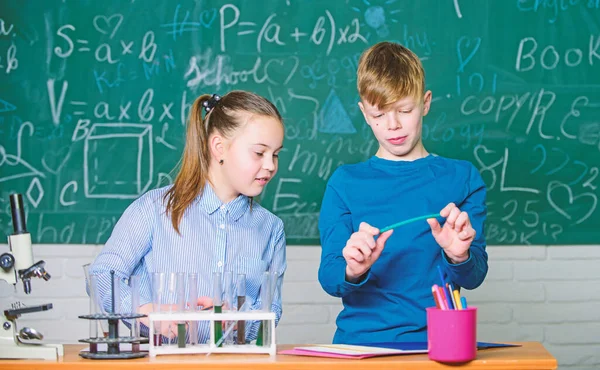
(388, 305)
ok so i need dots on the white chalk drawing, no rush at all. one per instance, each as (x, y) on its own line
(56, 107)
(103, 24)
(161, 139)
(118, 160)
(78, 104)
(62, 200)
(164, 179)
(12, 163)
(54, 161)
(457, 9)
(35, 192)
(3, 30)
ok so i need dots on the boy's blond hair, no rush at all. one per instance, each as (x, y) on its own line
(388, 72)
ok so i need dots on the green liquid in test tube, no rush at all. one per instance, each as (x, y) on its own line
(229, 303)
(218, 303)
(241, 299)
(171, 305)
(266, 299)
(181, 330)
(158, 287)
(193, 305)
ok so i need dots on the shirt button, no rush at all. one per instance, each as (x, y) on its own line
(222, 207)
(220, 264)
(222, 226)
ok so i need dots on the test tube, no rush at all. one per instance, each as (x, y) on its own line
(241, 298)
(229, 291)
(265, 306)
(116, 293)
(273, 288)
(193, 305)
(134, 284)
(91, 287)
(267, 293)
(218, 303)
(96, 302)
(172, 302)
(229, 301)
(158, 286)
(113, 324)
(181, 309)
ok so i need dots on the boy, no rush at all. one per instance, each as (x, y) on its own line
(385, 279)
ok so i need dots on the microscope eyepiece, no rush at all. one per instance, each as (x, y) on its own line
(18, 214)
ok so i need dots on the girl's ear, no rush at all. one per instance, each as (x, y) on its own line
(216, 144)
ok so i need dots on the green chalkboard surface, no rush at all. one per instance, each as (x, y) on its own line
(94, 95)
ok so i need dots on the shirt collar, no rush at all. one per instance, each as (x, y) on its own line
(211, 203)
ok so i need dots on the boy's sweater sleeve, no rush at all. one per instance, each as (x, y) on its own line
(335, 227)
(471, 273)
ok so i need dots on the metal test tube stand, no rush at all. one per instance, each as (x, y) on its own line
(113, 340)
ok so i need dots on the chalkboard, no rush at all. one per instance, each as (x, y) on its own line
(94, 95)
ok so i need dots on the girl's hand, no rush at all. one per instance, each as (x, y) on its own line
(169, 328)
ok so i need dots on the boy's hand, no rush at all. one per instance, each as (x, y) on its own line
(361, 250)
(457, 234)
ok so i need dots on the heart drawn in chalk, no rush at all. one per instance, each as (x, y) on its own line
(104, 25)
(207, 17)
(470, 47)
(487, 158)
(281, 70)
(54, 161)
(556, 192)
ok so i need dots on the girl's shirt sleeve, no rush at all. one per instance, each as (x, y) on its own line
(129, 242)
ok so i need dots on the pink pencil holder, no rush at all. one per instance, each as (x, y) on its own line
(452, 334)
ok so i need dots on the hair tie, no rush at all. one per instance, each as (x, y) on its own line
(211, 103)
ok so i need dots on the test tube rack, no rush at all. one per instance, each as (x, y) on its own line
(210, 347)
(113, 340)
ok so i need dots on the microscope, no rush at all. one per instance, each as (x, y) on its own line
(18, 265)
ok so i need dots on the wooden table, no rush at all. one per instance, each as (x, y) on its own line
(532, 355)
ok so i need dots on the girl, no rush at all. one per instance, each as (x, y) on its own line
(206, 221)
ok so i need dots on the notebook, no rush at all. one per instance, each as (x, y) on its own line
(348, 351)
(368, 350)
